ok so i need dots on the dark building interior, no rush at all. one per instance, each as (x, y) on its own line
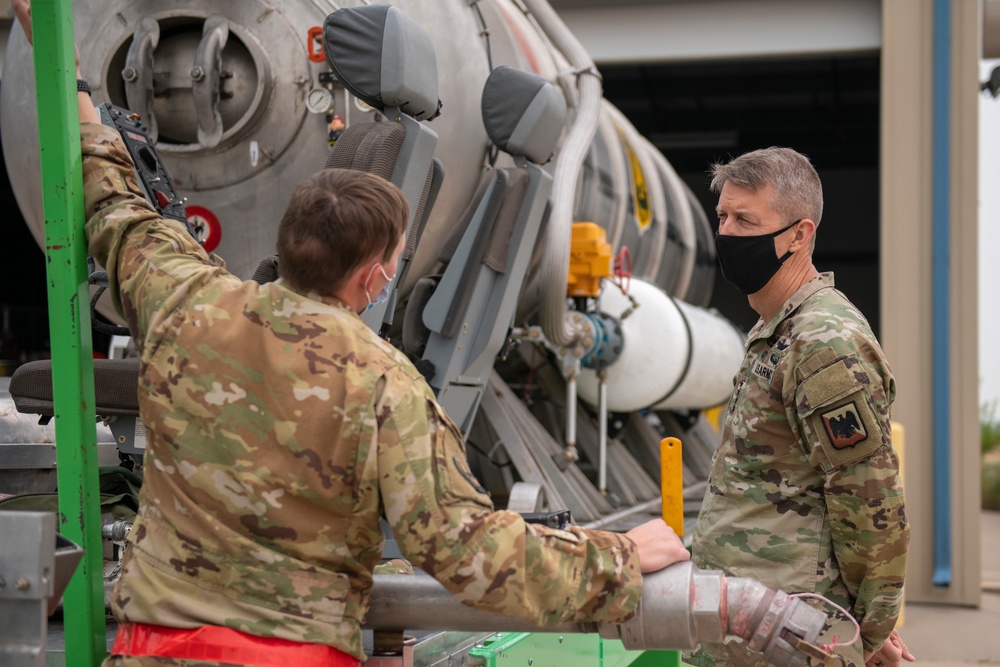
(698, 113)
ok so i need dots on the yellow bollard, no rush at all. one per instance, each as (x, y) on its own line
(898, 439)
(672, 484)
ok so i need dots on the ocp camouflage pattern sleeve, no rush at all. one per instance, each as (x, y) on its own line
(843, 403)
(160, 275)
(445, 523)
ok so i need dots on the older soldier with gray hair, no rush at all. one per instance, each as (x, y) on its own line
(280, 428)
(804, 492)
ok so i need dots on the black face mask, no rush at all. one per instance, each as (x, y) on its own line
(749, 262)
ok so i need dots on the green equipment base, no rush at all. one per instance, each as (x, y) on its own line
(537, 649)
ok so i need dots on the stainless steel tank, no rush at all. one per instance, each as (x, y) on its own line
(142, 53)
(237, 157)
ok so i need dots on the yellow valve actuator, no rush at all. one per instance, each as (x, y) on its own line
(590, 260)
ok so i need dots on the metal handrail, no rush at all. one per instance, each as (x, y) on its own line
(69, 324)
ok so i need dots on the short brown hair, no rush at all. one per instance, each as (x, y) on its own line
(335, 222)
(798, 192)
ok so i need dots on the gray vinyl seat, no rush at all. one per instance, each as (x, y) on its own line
(116, 384)
(382, 57)
(458, 322)
(386, 60)
(116, 399)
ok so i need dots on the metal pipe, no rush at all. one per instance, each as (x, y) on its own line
(941, 268)
(419, 602)
(602, 431)
(682, 606)
(641, 508)
(558, 327)
(696, 490)
(571, 417)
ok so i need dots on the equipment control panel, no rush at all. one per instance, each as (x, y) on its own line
(152, 175)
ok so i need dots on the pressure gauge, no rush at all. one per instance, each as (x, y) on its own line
(362, 105)
(319, 100)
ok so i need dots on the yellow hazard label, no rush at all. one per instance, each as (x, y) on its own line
(640, 195)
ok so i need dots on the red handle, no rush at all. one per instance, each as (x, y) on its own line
(314, 41)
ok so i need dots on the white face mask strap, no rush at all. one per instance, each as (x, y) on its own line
(371, 272)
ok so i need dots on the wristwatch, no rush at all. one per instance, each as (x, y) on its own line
(82, 86)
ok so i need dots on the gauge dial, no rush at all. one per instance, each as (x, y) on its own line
(319, 100)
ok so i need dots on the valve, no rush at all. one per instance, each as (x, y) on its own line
(590, 260)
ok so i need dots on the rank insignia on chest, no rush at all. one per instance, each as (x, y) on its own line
(844, 426)
(778, 351)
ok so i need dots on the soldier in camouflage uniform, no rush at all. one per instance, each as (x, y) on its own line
(280, 428)
(804, 492)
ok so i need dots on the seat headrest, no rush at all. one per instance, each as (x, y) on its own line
(383, 58)
(524, 114)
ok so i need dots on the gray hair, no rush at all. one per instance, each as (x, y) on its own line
(797, 191)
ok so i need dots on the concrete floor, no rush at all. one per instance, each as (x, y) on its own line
(941, 636)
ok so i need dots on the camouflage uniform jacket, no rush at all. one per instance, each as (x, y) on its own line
(804, 493)
(280, 428)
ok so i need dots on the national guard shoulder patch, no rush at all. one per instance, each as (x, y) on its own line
(844, 426)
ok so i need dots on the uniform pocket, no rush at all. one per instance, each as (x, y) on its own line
(839, 416)
(453, 481)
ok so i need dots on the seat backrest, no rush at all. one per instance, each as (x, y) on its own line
(116, 384)
(116, 399)
(468, 312)
(386, 60)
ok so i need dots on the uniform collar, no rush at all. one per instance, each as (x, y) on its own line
(766, 329)
(311, 295)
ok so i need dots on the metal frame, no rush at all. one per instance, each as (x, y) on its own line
(410, 175)
(551, 650)
(34, 570)
(464, 341)
(69, 322)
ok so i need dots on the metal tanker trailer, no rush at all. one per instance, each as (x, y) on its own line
(243, 105)
(244, 100)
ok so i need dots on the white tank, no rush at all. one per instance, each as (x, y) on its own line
(675, 356)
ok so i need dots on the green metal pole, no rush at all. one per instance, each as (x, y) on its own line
(69, 325)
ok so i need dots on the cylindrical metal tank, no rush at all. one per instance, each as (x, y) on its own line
(273, 127)
(674, 357)
(271, 140)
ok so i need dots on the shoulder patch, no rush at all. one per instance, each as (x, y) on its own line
(847, 429)
(839, 416)
(844, 426)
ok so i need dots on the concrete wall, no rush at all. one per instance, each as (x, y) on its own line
(906, 267)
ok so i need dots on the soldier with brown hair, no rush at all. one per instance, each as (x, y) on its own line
(280, 428)
(804, 492)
